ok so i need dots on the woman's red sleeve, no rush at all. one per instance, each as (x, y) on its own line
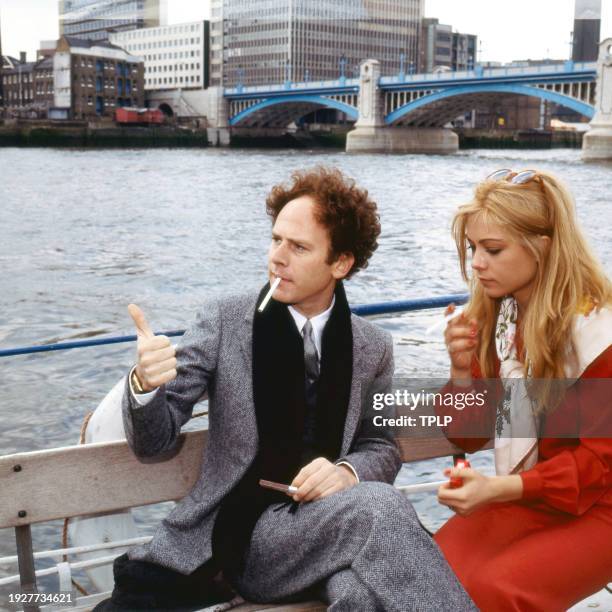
(572, 474)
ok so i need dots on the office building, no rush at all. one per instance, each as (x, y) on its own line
(272, 41)
(587, 26)
(464, 51)
(442, 48)
(175, 56)
(96, 19)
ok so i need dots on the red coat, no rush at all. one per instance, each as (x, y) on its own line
(554, 547)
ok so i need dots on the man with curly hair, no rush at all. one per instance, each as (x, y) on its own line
(288, 391)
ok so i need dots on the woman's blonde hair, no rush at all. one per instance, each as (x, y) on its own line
(567, 271)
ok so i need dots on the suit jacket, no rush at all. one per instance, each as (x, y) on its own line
(215, 358)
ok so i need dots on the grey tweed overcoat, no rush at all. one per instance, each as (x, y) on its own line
(215, 358)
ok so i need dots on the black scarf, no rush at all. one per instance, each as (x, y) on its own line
(280, 407)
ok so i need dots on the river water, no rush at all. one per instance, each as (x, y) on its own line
(86, 232)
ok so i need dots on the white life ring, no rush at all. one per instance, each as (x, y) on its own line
(105, 424)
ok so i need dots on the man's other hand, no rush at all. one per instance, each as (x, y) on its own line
(156, 355)
(321, 478)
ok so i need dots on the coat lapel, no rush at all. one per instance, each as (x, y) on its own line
(353, 415)
(245, 337)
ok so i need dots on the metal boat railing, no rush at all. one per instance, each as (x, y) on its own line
(364, 310)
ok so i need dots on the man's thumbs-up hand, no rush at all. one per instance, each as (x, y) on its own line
(156, 355)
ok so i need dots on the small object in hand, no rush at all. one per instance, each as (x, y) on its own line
(441, 322)
(277, 486)
(456, 481)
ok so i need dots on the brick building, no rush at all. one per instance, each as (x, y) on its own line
(44, 89)
(17, 85)
(78, 79)
(93, 78)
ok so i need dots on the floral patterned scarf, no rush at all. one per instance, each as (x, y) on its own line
(516, 427)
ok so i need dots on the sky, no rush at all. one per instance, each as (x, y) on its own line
(521, 29)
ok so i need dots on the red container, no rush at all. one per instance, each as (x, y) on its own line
(126, 115)
(153, 116)
(456, 481)
(139, 116)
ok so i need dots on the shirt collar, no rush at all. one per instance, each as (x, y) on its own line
(318, 322)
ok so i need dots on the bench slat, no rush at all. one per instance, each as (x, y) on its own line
(107, 477)
(422, 448)
(85, 479)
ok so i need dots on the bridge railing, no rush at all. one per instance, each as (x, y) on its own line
(281, 87)
(479, 72)
(484, 73)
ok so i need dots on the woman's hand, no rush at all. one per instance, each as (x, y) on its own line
(461, 337)
(478, 490)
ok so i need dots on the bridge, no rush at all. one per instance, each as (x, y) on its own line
(419, 100)
(408, 112)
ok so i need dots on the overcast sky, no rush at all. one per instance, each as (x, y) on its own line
(520, 29)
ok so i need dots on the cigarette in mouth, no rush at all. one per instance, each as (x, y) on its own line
(458, 312)
(273, 288)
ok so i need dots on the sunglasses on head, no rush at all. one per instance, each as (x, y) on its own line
(516, 178)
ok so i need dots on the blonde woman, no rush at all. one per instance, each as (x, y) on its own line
(538, 535)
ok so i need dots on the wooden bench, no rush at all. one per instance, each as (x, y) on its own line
(107, 477)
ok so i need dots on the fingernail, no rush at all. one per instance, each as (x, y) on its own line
(473, 333)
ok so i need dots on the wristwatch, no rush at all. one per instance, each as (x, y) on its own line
(136, 386)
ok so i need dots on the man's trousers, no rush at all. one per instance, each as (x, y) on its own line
(363, 549)
(360, 550)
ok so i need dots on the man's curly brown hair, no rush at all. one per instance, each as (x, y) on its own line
(347, 211)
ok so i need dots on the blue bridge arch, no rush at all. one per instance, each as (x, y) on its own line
(552, 96)
(351, 111)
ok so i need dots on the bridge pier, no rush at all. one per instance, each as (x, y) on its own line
(402, 140)
(597, 143)
(218, 130)
(373, 135)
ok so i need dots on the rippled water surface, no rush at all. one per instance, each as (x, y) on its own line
(84, 233)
